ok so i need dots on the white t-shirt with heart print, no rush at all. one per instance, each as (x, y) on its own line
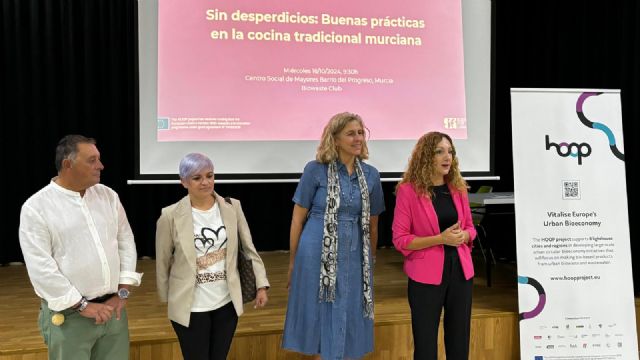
(210, 241)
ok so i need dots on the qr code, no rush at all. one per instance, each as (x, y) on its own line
(571, 190)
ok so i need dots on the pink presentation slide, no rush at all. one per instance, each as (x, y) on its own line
(278, 70)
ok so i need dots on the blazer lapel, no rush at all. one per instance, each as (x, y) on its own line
(430, 212)
(184, 228)
(455, 195)
(228, 214)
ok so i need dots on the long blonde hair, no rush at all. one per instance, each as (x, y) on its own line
(421, 166)
(327, 151)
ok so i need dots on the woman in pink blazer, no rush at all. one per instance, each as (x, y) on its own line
(433, 229)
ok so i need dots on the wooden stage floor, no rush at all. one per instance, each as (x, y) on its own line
(494, 332)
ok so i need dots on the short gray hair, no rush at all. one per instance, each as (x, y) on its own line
(68, 148)
(193, 163)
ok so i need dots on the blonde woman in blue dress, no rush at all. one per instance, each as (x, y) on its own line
(334, 231)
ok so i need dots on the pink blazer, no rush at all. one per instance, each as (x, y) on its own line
(414, 216)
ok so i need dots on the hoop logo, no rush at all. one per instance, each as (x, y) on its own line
(573, 149)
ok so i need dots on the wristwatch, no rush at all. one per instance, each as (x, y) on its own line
(123, 293)
(83, 304)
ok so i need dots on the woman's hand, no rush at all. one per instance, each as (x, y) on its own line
(261, 298)
(453, 235)
(289, 274)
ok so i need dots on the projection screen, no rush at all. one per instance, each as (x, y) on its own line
(252, 83)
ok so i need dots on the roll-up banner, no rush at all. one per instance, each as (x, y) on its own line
(575, 291)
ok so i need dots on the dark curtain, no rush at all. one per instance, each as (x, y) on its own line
(569, 44)
(565, 44)
(70, 66)
(67, 67)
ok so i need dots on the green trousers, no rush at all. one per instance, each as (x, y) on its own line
(79, 338)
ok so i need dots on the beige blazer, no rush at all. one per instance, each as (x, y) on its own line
(176, 256)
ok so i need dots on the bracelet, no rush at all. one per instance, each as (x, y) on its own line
(83, 304)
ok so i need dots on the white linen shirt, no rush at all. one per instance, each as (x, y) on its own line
(75, 245)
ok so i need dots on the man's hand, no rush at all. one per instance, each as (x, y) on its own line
(117, 304)
(101, 312)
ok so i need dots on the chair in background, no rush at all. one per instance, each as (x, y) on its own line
(478, 212)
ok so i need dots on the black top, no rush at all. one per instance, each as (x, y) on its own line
(446, 211)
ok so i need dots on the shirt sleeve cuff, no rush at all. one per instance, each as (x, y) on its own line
(130, 278)
(64, 302)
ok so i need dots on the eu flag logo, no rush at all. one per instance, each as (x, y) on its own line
(163, 123)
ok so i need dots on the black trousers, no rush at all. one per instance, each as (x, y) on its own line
(209, 334)
(427, 301)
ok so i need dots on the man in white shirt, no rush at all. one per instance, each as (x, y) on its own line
(81, 257)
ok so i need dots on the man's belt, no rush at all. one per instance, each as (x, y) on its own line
(57, 318)
(101, 299)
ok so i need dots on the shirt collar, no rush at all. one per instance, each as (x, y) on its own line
(343, 167)
(63, 190)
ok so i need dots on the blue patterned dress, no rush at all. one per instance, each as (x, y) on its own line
(339, 329)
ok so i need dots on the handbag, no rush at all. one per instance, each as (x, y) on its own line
(245, 269)
(247, 276)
